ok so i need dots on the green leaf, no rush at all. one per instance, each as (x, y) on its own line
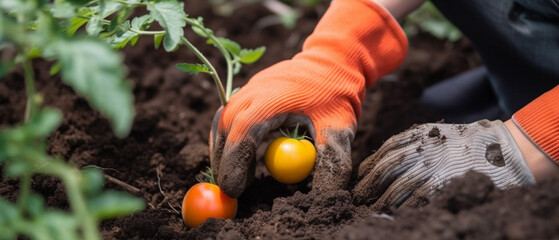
(7, 233)
(142, 23)
(6, 67)
(106, 8)
(95, 72)
(92, 180)
(134, 40)
(59, 225)
(8, 213)
(112, 204)
(289, 19)
(55, 68)
(157, 38)
(199, 29)
(62, 9)
(230, 45)
(94, 26)
(11, 4)
(75, 24)
(251, 55)
(17, 168)
(193, 68)
(170, 15)
(79, 2)
(35, 205)
(45, 122)
(118, 42)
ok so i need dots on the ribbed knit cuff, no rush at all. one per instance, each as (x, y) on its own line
(540, 121)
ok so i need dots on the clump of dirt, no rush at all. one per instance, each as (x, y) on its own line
(470, 207)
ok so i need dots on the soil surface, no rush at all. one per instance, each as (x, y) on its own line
(168, 147)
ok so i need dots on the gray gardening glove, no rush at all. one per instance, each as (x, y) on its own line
(417, 162)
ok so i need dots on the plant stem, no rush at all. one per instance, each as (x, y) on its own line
(215, 76)
(29, 76)
(229, 65)
(25, 184)
(71, 178)
(146, 32)
(226, 55)
(89, 224)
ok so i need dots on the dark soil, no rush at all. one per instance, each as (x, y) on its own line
(168, 146)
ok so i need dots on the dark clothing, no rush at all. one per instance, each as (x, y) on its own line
(518, 41)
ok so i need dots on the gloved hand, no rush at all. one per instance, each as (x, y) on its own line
(321, 88)
(419, 161)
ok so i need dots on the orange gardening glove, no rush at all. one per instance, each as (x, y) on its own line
(321, 88)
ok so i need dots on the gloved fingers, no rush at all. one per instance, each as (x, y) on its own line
(400, 191)
(399, 141)
(216, 142)
(422, 195)
(235, 152)
(333, 165)
(395, 157)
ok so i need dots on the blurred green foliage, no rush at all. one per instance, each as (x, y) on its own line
(428, 19)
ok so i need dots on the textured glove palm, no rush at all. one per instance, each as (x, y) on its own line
(419, 161)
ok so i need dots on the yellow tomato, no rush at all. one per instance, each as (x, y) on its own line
(290, 160)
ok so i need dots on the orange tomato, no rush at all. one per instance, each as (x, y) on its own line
(206, 200)
(290, 160)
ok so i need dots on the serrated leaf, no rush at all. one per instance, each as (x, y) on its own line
(230, 45)
(157, 39)
(142, 23)
(75, 24)
(193, 68)
(118, 42)
(94, 26)
(134, 40)
(251, 55)
(106, 8)
(95, 72)
(112, 204)
(170, 15)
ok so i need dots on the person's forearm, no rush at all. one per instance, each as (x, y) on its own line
(399, 8)
(540, 164)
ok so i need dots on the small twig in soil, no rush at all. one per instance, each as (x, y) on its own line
(126, 186)
(165, 198)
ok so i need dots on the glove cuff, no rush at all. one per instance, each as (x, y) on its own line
(520, 172)
(540, 121)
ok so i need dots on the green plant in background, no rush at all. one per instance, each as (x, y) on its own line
(285, 12)
(428, 19)
(88, 63)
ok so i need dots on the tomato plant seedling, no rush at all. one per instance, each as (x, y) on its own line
(80, 37)
(206, 200)
(290, 158)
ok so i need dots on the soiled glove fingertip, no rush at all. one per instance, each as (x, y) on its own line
(232, 185)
